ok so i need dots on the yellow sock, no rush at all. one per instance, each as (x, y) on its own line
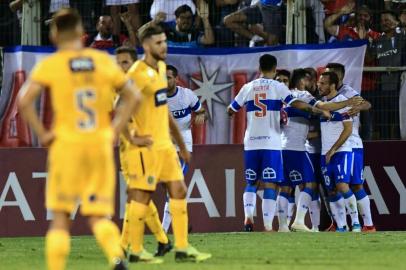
(178, 210)
(154, 224)
(108, 237)
(57, 247)
(138, 212)
(125, 231)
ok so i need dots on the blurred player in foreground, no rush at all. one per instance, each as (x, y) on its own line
(182, 102)
(125, 57)
(82, 83)
(159, 162)
(264, 98)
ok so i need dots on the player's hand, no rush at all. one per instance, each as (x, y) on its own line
(354, 111)
(185, 155)
(142, 141)
(160, 17)
(348, 8)
(230, 111)
(47, 138)
(329, 155)
(326, 114)
(125, 17)
(200, 118)
(355, 101)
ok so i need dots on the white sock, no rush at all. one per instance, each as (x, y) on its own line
(268, 212)
(167, 218)
(351, 205)
(303, 205)
(250, 201)
(283, 212)
(291, 210)
(315, 213)
(338, 211)
(364, 206)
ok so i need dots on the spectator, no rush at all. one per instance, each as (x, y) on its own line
(10, 23)
(333, 6)
(185, 33)
(402, 20)
(224, 37)
(104, 38)
(389, 51)
(361, 30)
(167, 8)
(283, 76)
(267, 12)
(133, 14)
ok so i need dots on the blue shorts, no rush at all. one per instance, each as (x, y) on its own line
(297, 168)
(264, 165)
(338, 170)
(315, 159)
(357, 168)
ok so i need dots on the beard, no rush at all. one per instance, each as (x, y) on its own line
(157, 56)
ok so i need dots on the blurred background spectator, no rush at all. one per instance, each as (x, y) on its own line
(167, 8)
(133, 14)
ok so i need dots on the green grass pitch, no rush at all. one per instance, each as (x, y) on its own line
(236, 251)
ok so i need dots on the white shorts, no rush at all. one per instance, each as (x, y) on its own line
(121, 2)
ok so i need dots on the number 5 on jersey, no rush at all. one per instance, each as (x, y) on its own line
(83, 98)
(258, 102)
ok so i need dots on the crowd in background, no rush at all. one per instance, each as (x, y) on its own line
(242, 23)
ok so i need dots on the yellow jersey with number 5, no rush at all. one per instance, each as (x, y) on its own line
(152, 117)
(82, 84)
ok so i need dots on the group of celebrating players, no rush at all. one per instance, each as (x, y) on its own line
(316, 147)
(317, 144)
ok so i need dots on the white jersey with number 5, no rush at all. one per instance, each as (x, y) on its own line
(263, 100)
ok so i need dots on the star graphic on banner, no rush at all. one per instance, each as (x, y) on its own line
(208, 89)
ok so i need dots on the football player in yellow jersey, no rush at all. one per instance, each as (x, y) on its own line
(159, 162)
(81, 166)
(125, 57)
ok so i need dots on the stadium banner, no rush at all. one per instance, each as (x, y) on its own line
(214, 190)
(216, 76)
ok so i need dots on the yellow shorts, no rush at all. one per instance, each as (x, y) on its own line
(81, 173)
(148, 167)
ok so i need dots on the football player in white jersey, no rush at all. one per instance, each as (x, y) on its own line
(337, 155)
(263, 99)
(357, 167)
(298, 169)
(182, 103)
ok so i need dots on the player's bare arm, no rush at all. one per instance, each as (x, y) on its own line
(26, 99)
(177, 136)
(335, 106)
(363, 106)
(341, 140)
(230, 111)
(129, 98)
(138, 140)
(306, 107)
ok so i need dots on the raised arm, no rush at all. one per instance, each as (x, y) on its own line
(203, 12)
(334, 106)
(329, 25)
(298, 104)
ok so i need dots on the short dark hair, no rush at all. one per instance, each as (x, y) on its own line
(311, 71)
(182, 9)
(149, 31)
(283, 72)
(267, 62)
(173, 69)
(337, 66)
(364, 8)
(297, 75)
(66, 19)
(332, 77)
(124, 49)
